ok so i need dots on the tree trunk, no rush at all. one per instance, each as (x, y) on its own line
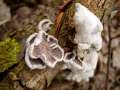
(21, 77)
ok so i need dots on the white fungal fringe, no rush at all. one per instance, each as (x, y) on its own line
(42, 49)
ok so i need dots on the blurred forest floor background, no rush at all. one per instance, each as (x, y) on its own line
(19, 19)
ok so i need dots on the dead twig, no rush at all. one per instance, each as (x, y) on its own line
(60, 17)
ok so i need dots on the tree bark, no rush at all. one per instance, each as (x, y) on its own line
(21, 77)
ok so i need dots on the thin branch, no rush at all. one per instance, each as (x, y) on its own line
(60, 17)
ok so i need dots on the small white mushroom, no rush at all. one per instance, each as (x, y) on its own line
(70, 59)
(43, 49)
(81, 69)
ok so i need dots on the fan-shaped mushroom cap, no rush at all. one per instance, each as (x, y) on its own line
(49, 49)
(43, 49)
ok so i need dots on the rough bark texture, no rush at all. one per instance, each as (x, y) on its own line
(20, 77)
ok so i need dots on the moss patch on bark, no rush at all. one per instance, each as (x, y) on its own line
(9, 48)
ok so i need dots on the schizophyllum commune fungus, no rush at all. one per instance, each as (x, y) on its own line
(88, 39)
(42, 49)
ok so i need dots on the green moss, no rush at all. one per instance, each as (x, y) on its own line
(9, 49)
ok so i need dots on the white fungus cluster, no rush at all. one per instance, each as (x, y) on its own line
(88, 39)
(43, 50)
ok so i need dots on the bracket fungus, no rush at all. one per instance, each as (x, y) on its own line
(88, 39)
(42, 49)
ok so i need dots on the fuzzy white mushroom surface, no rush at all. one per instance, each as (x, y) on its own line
(81, 70)
(88, 39)
(88, 27)
(42, 49)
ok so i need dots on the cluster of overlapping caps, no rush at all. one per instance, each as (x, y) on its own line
(43, 50)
